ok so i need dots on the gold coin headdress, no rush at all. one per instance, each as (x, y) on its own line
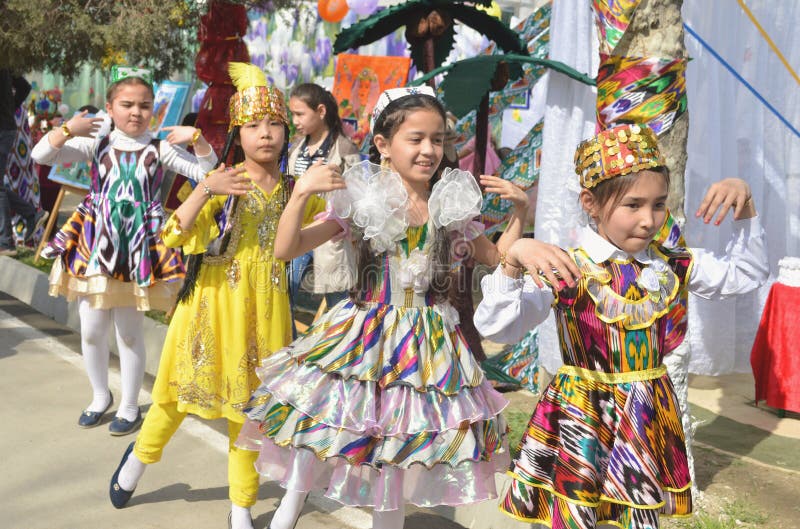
(615, 152)
(254, 98)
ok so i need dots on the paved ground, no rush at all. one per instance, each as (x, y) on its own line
(55, 475)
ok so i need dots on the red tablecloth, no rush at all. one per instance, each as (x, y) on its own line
(775, 357)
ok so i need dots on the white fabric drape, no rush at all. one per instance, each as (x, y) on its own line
(732, 133)
(569, 117)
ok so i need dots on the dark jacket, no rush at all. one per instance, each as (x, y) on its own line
(13, 91)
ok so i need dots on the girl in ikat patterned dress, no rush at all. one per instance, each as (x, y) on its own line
(109, 254)
(605, 443)
(381, 402)
(233, 309)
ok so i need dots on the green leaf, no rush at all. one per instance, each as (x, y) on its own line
(376, 26)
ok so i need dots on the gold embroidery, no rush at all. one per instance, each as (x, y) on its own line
(234, 273)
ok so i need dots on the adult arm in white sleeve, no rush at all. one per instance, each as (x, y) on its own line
(743, 268)
(79, 149)
(510, 307)
(180, 161)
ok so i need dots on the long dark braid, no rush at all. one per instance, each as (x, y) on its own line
(367, 262)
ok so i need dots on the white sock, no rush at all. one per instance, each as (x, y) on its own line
(289, 510)
(131, 472)
(129, 323)
(95, 324)
(389, 519)
(240, 517)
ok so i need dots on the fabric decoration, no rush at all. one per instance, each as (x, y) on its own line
(521, 167)
(20, 175)
(254, 99)
(358, 84)
(619, 151)
(392, 94)
(643, 90)
(375, 200)
(612, 18)
(455, 200)
(118, 73)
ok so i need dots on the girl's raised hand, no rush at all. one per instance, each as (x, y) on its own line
(227, 181)
(724, 195)
(320, 178)
(505, 189)
(80, 125)
(543, 259)
(179, 134)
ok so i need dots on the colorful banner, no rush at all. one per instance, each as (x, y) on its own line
(521, 167)
(612, 18)
(520, 362)
(643, 90)
(358, 83)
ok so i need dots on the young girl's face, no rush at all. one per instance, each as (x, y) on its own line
(262, 141)
(305, 119)
(633, 222)
(416, 148)
(131, 108)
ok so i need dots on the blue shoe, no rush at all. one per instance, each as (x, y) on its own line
(90, 419)
(121, 426)
(119, 496)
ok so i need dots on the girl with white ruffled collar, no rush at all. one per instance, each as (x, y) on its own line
(381, 402)
(109, 254)
(605, 443)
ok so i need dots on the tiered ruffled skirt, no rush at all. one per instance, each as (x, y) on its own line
(379, 405)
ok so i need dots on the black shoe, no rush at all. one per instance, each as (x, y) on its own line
(90, 419)
(33, 224)
(119, 496)
(121, 426)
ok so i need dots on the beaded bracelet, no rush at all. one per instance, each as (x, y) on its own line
(207, 190)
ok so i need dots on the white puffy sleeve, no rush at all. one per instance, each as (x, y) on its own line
(743, 268)
(511, 307)
(181, 161)
(78, 149)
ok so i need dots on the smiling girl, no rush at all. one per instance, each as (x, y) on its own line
(109, 254)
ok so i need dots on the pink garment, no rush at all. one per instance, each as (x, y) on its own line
(492, 160)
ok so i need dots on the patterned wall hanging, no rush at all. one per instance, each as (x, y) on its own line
(644, 90)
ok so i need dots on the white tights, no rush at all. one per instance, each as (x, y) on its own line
(95, 326)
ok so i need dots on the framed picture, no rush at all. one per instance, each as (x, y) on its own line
(171, 97)
(521, 100)
(74, 174)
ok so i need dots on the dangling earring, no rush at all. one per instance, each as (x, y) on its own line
(384, 162)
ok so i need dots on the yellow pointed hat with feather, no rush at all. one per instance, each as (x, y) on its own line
(254, 98)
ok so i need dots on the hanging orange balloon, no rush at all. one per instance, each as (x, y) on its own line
(332, 10)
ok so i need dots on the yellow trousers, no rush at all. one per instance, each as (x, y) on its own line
(162, 420)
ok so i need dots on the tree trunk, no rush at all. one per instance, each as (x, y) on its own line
(430, 59)
(657, 31)
(481, 137)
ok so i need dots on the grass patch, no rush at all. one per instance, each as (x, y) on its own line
(704, 521)
(517, 422)
(27, 255)
(742, 511)
(737, 514)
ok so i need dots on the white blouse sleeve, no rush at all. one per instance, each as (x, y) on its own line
(511, 307)
(180, 161)
(78, 149)
(743, 268)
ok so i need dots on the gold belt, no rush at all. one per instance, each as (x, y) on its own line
(614, 378)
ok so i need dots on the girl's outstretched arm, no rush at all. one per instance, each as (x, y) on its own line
(744, 266)
(291, 239)
(223, 181)
(73, 142)
(484, 250)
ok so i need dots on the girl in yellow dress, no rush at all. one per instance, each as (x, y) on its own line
(233, 310)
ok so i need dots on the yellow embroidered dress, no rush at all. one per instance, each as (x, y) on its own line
(238, 314)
